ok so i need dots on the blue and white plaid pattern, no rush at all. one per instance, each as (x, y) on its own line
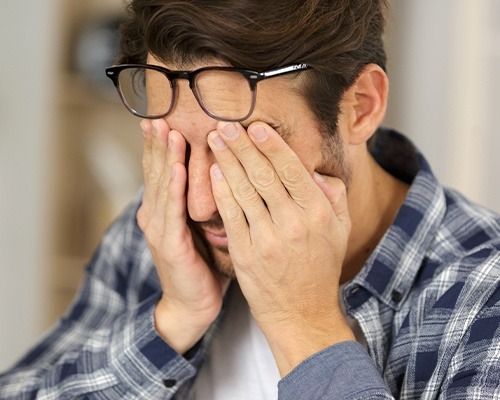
(428, 301)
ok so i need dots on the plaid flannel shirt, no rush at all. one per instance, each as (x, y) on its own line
(427, 300)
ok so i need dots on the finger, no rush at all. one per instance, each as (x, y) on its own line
(170, 202)
(168, 147)
(147, 132)
(175, 211)
(231, 212)
(336, 193)
(235, 176)
(171, 190)
(167, 225)
(258, 168)
(292, 173)
(154, 157)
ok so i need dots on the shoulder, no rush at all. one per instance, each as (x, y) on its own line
(122, 259)
(466, 242)
(458, 277)
(468, 224)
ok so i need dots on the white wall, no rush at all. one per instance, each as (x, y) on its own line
(26, 58)
(444, 62)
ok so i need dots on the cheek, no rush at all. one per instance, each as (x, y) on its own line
(308, 146)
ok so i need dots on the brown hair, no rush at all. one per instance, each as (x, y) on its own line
(337, 38)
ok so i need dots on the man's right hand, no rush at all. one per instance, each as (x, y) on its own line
(192, 293)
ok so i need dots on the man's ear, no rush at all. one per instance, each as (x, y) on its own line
(365, 103)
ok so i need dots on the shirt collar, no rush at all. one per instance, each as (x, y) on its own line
(391, 269)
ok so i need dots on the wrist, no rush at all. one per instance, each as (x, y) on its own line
(293, 343)
(177, 329)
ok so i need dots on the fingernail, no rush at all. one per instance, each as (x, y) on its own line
(230, 130)
(259, 133)
(217, 173)
(217, 141)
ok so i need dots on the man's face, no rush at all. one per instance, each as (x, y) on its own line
(280, 105)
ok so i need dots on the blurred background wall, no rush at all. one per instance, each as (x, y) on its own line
(26, 114)
(70, 156)
(444, 58)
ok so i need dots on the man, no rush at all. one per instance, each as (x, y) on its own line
(284, 244)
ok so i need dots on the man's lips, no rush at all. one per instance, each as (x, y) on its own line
(216, 238)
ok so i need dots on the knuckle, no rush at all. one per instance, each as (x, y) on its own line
(151, 227)
(152, 170)
(267, 249)
(149, 177)
(233, 212)
(292, 173)
(154, 233)
(321, 215)
(264, 178)
(165, 182)
(243, 146)
(245, 191)
(296, 231)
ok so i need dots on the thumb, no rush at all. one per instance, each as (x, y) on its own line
(336, 193)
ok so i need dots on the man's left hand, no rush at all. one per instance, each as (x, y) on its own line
(287, 230)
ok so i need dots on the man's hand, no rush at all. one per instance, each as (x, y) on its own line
(287, 232)
(192, 294)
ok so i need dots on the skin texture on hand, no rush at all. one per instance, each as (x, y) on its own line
(192, 292)
(287, 234)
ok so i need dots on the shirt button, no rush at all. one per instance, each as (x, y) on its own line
(169, 383)
(354, 290)
(396, 296)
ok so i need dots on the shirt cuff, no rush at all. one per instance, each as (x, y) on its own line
(343, 371)
(140, 358)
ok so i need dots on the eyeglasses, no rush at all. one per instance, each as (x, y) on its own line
(224, 93)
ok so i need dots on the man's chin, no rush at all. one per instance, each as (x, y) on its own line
(220, 262)
(216, 256)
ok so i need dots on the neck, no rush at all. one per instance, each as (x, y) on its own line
(374, 199)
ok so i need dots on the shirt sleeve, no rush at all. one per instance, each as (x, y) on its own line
(343, 371)
(106, 346)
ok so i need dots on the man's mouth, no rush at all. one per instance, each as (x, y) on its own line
(216, 238)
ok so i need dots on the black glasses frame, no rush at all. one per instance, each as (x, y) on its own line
(252, 77)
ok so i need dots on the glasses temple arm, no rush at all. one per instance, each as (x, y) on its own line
(284, 70)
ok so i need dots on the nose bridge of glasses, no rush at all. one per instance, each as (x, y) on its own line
(190, 76)
(185, 93)
(176, 75)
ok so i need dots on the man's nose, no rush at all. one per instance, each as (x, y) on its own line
(200, 200)
(194, 124)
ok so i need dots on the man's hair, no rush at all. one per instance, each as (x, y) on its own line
(337, 38)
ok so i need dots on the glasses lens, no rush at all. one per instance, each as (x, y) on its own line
(225, 94)
(146, 92)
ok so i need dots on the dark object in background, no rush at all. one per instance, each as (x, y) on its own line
(96, 47)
